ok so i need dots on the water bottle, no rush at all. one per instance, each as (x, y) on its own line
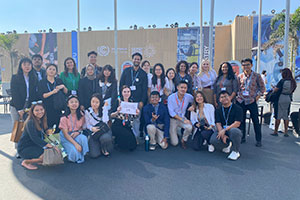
(147, 142)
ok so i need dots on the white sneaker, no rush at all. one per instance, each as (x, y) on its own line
(295, 134)
(234, 155)
(227, 149)
(211, 148)
(152, 147)
(204, 142)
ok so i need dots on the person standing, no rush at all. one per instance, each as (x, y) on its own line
(207, 79)
(194, 68)
(92, 57)
(158, 81)
(47, 88)
(228, 118)
(182, 69)
(226, 81)
(37, 61)
(251, 87)
(285, 88)
(136, 78)
(177, 105)
(23, 87)
(170, 85)
(157, 122)
(70, 76)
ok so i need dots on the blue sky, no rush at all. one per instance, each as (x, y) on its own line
(33, 15)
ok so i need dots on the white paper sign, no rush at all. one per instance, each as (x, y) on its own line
(128, 108)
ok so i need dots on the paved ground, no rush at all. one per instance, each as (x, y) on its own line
(270, 172)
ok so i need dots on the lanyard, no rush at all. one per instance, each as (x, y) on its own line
(222, 82)
(49, 86)
(133, 79)
(182, 78)
(73, 125)
(248, 83)
(181, 108)
(226, 118)
(73, 80)
(158, 88)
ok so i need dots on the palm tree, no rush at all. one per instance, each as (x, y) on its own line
(278, 34)
(7, 42)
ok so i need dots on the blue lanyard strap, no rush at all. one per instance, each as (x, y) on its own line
(133, 79)
(73, 125)
(226, 118)
(49, 86)
(248, 83)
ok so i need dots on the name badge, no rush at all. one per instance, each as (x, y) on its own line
(73, 92)
(137, 79)
(133, 88)
(246, 93)
(223, 89)
(224, 127)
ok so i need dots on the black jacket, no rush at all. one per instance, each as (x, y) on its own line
(19, 90)
(86, 88)
(111, 92)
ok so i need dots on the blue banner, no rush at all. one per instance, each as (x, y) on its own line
(74, 47)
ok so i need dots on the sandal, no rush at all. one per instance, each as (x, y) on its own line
(28, 166)
(105, 153)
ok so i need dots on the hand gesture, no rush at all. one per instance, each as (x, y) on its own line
(119, 109)
(95, 129)
(78, 147)
(154, 117)
(221, 134)
(191, 108)
(74, 134)
(137, 111)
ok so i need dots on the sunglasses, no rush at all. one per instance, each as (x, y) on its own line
(36, 102)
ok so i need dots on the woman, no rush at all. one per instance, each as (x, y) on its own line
(71, 125)
(107, 88)
(70, 76)
(203, 120)
(285, 88)
(226, 80)
(122, 126)
(47, 88)
(158, 81)
(147, 68)
(182, 69)
(31, 145)
(87, 86)
(23, 87)
(194, 67)
(207, 79)
(93, 115)
(170, 86)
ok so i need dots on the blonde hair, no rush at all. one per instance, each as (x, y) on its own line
(201, 67)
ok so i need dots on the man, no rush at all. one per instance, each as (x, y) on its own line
(251, 88)
(37, 62)
(157, 122)
(192, 53)
(136, 78)
(228, 119)
(92, 56)
(177, 105)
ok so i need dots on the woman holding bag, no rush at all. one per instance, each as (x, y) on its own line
(71, 125)
(47, 89)
(100, 137)
(32, 145)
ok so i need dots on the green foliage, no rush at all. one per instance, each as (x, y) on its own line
(7, 41)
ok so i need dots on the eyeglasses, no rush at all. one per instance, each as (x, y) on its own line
(245, 65)
(36, 102)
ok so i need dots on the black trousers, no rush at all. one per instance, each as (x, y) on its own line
(199, 137)
(254, 117)
(295, 121)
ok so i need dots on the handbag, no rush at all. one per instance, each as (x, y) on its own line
(103, 128)
(52, 156)
(59, 100)
(17, 131)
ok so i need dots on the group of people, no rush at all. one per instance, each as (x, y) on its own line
(172, 106)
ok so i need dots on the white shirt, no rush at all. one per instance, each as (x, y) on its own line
(170, 86)
(209, 113)
(206, 81)
(27, 86)
(156, 87)
(90, 122)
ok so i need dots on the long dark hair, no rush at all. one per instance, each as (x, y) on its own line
(186, 66)
(287, 75)
(98, 96)
(230, 73)
(170, 69)
(162, 76)
(75, 71)
(195, 103)
(78, 111)
(111, 78)
(35, 120)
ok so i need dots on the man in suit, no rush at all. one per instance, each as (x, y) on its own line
(37, 61)
(157, 122)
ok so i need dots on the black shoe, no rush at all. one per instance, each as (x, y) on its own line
(18, 156)
(258, 144)
(286, 135)
(243, 140)
(274, 134)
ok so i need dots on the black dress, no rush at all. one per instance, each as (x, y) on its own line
(86, 88)
(53, 115)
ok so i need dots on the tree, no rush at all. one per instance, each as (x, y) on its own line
(278, 34)
(7, 42)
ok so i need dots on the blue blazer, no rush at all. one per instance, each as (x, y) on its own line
(163, 118)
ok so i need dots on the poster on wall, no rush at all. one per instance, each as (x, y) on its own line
(272, 58)
(44, 44)
(188, 43)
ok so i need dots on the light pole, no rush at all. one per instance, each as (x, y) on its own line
(116, 40)
(78, 34)
(286, 32)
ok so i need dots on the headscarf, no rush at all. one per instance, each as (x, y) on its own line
(93, 76)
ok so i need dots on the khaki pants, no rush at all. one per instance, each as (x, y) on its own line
(156, 135)
(174, 123)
